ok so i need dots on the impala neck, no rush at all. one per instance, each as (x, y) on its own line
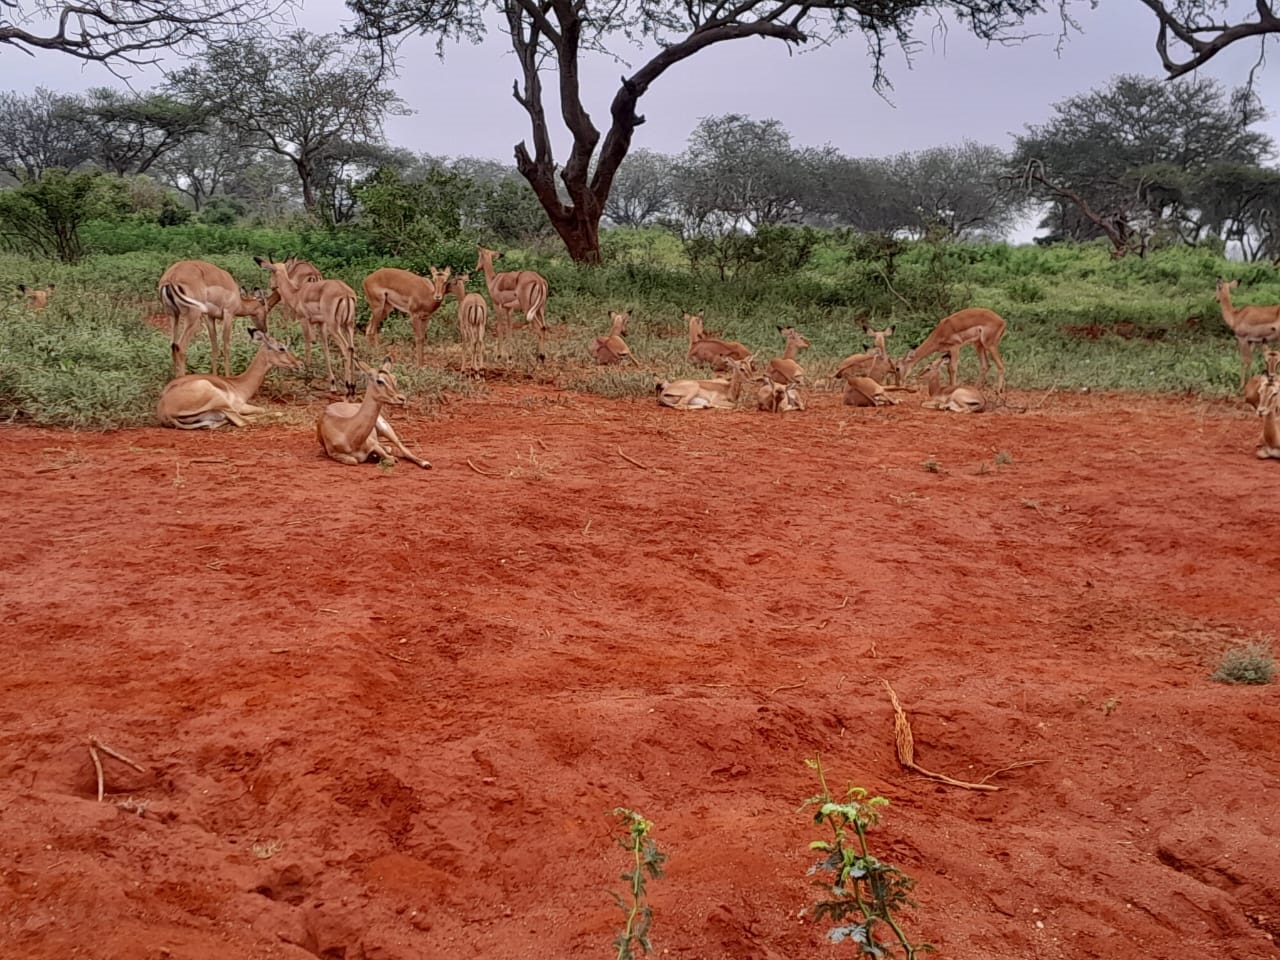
(933, 382)
(247, 383)
(366, 418)
(1228, 311)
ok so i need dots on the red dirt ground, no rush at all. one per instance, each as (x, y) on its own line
(383, 713)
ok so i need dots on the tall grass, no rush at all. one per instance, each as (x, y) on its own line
(1076, 318)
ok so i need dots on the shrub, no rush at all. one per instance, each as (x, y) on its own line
(1250, 662)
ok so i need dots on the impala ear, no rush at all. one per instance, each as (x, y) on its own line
(889, 332)
(256, 334)
(22, 288)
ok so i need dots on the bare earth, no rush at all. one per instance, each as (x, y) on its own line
(383, 713)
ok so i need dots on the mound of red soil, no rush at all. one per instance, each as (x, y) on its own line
(381, 713)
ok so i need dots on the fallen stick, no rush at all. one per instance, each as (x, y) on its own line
(483, 473)
(788, 686)
(631, 461)
(94, 746)
(97, 765)
(906, 748)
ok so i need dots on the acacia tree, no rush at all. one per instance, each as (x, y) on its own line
(546, 34)
(641, 189)
(40, 131)
(201, 164)
(119, 32)
(302, 95)
(957, 189)
(131, 132)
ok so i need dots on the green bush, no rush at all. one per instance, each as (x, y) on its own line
(1251, 662)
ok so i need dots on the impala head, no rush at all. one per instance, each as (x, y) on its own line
(694, 320)
(792, 335)
(1268, 396)
(380, 383)
(620, 319)
(486, 256)
(879, 335)
(36, 299)
(440, 281)
(458, 286)
(1224, 287)
(277, 351)
(277, 268)
(1271, 358)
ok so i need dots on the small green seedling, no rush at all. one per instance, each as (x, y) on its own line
(646, 863)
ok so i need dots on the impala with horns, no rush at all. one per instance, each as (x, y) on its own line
(391, 288)
(611, 348)
(511, 290)
(191, 290)
(329, 305)
(711, 351)
(1252, 325)
(976, 325)
(352, 433)
(473, 317)
(199, 401)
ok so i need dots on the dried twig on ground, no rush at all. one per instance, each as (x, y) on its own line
(483, 473)
(631, 461)
(96, 745)
(906, 748)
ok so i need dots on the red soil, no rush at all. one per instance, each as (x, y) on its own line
(383, 713)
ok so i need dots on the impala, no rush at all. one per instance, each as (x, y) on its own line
(300, 272)
(189, 290)
(1252, 325)
(981, 327)
(1252, 390)
(874, 363)
(784, 369)
(417, 297)
(706, 394)
(351, 433)
(776, 397)
(327, 304)
(955, 399)
(199, 401)
(611, 348)
(523, 290)
(709, 350)
(865, 392)
(36, 299)
(473, 316)
(1269, 410)
(253, 304)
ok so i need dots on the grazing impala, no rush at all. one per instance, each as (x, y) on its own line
(473, 316)
(523, 290)
(955, 399)
(327, 304)
(707, 394)
(715, 353)
(201, 401)
(1252, 325)
(976, 325)
(784, 369)
(190, 290)
(300, 272)
(36, 299)
(351, 433)
(391, 289)
(874, 363)
(611, 348)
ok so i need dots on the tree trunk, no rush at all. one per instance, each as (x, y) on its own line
(581, 235)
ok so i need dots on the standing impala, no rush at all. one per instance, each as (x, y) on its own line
(195, 289)
(981, 327)
(201, 401)
(327, 304)
(1252, 325)
(473, 316)
(351, 433)
(300, 272)
(523, 290)
(391, 288)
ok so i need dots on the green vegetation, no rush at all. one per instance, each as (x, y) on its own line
(864, 893)
(1077, 318)
(1251, 662)
(646, 863)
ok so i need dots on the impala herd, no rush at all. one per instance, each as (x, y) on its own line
(193, 291)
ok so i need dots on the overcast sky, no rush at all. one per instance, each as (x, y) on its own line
(956, 87)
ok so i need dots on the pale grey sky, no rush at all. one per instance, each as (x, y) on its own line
(957, 87)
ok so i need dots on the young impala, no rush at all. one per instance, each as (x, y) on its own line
(784, 369)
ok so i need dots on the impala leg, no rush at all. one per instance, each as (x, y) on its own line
(385, 431)
(999, 362)
(328, 362)
(953, 368)
(185, 324)
(228, 321)
(984, 363)
(1246, 361)
(419, 335)
(377, 313)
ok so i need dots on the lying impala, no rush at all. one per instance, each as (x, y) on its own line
(774, 397)
(1252, 325)
(327, 304)
(473, 316)
(352, 433)
(955, 399)
(707, 394)
(300, 272)
(523, 290)
(715, 353)
(976, 325)
(611, 348)
(874, 363)
(784, 369)
(865, 392)
(36, 299)
(417, 297)
(190, 290)
(200, 401)
(1269, 410)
